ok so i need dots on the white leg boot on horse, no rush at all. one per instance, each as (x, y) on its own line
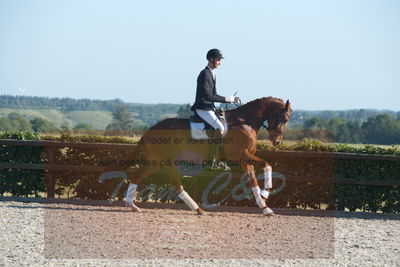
(260, 201)
(190, 202)
(267, 182)
(130, 196)
(256, 190)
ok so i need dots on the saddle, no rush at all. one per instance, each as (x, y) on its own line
(201, 130)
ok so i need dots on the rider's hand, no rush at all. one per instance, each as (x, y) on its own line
(230, 99)
(237, 100)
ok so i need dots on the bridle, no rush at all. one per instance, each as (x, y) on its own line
(281, 119)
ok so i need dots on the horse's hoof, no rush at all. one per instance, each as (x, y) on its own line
(133, 207)
(268, 212)
(200, 212)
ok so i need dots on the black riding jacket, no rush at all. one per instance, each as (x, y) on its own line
(206, 92)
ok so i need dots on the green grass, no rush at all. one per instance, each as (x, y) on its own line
(96, 118)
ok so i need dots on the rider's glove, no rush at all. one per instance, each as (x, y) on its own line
(230, 99)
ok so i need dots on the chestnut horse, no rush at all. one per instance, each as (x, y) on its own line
(170, 141)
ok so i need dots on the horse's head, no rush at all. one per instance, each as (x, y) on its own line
(277, 120)
(256, 112)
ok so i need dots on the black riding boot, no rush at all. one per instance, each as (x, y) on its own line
(217, 148)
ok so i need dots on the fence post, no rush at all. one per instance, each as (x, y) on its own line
(51, 181)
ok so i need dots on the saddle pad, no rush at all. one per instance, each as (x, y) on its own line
(197, 130)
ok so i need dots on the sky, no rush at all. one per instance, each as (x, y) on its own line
(322, 54)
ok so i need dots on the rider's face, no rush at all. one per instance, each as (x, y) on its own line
(214, 62)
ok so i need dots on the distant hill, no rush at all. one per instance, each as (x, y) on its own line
(98, 119)
(98, 113)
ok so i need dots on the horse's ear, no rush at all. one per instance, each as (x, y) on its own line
(287, 107)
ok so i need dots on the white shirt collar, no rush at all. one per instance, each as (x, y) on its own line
(212, 71)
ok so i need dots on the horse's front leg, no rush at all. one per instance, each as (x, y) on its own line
(259, 194)
(267, 172)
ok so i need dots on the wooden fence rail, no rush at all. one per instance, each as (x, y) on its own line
(51, 167)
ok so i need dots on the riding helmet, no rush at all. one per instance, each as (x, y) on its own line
(214, 53)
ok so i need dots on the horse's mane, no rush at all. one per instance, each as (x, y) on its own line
(257, 102)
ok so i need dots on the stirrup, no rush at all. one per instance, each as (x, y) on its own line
(220, 165)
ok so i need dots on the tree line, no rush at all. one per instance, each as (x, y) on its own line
(64, 104)
(381, 129)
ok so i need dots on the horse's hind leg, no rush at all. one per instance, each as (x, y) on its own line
(189, 201)
(182, 194)
(137, 176)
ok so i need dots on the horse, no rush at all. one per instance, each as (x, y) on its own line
(169, 141)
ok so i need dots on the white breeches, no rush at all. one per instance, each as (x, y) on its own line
(210, 117)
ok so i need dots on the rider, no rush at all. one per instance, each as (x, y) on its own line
(206, 95)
